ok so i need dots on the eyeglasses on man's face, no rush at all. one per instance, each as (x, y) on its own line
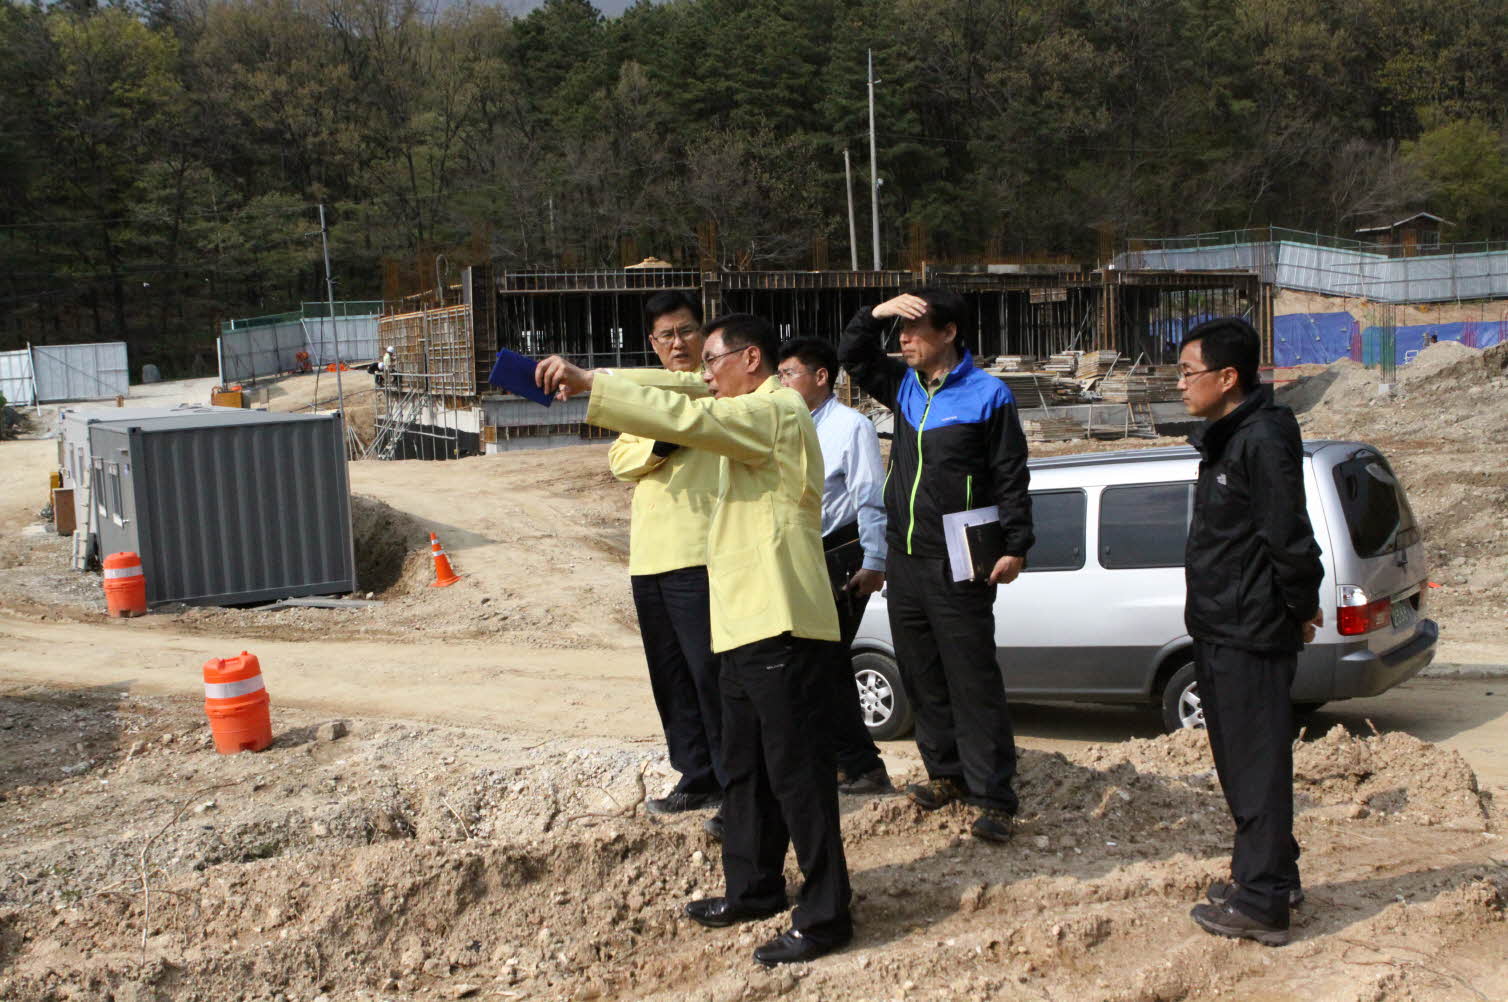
(685, 333)
(1191, 373)
(707, 360)
(790, 372)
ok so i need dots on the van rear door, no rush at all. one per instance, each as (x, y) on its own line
(1379, 550)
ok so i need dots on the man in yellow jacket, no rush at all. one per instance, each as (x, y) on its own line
(674, 490)
(771, 607)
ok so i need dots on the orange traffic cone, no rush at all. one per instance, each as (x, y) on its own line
(444, 576)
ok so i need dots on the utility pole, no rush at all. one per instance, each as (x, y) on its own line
(853, 233)
(874, 170)
(324, 239)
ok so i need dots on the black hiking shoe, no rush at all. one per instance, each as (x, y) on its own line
(679, 803)
(1221, 891)
(876, 780)
(1226, 920)
(934, 793)
(993, 825)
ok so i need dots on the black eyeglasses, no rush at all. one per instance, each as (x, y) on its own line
(707, 360)
(1186, 374)
(684, 333)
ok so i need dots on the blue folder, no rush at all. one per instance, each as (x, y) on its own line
(515, 373)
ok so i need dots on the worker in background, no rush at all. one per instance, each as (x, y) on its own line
(853, 541)
(386, 365)
(772, 620)
(674, 490)
(957, 445)
(1253, 575)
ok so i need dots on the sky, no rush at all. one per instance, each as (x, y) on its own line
(612, 8)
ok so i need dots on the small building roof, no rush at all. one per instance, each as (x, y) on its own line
(1416, 217)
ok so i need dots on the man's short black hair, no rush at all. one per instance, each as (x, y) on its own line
(814, 353)
(944, 307)
(739, 330)
(669, 301)
(1229, 343)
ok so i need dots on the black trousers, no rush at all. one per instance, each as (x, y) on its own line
(853, 748)
(782, 785)
(676, 628)
(944, 636)
(1249, 715)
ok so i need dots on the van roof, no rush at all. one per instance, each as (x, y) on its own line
(1161, 454)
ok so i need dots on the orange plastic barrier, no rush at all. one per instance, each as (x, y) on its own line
(343, 367)
(236, 703)
(444, 576)
(125, 586)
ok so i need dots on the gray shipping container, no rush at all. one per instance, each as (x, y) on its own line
(226, 507)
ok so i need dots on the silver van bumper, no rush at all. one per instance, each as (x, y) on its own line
(1367, 673)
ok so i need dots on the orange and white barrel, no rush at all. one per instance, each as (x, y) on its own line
(236, 703)
(125, 585)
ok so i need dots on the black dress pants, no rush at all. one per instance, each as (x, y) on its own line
(782, 785)
(853, 748)
(676, 627)
(1249, 715)
(944, 636)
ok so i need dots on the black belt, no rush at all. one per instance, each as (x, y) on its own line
(841, 536)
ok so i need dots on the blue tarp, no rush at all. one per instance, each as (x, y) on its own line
(1304, 338)
(1300, 338)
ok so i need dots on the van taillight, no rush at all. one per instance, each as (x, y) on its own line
(1354, 615)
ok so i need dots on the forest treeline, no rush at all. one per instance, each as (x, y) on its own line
(161, 161)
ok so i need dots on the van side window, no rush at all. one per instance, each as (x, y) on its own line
(1058, 522)
(1144, 526)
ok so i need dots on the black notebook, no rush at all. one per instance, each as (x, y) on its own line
(985, 543)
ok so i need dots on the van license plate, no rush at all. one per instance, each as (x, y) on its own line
(1403, 614)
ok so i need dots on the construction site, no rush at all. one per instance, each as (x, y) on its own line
(450, 805)
(1087, 353)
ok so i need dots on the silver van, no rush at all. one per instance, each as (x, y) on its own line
(1097, 616)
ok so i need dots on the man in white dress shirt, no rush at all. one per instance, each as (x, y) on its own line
(853, 539)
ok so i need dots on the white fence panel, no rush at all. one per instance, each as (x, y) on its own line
(80, 371)
(15, 377)
(260, 351)
(355, 336)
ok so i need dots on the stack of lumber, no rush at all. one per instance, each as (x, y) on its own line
(1155, 384)
(1033, 389)
(1064, 362)
(1053, 429)
(1096, 363)
(1123, 387)
(1015, 363)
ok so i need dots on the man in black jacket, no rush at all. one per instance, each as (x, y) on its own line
(957, 445)
(1253, 574)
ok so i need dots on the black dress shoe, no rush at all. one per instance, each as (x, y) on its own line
(791, 948)
(717, 913)
(1221, 891)
(677, 803)
(714, 826)
(1226, 920)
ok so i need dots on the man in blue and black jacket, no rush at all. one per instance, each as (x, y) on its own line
(957, 445)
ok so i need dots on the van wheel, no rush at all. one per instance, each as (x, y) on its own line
(1180, 701)
(882, 698)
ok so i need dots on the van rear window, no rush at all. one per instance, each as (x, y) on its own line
(1377, 512)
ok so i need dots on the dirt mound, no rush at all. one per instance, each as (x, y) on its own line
(1341, 384)
(424, 862)
(1435, 361)
(389, 545)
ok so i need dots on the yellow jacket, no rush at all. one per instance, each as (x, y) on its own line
(672, 505)
(765, 567)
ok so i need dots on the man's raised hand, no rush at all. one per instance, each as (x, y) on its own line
(905, 306)
(556, 375)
